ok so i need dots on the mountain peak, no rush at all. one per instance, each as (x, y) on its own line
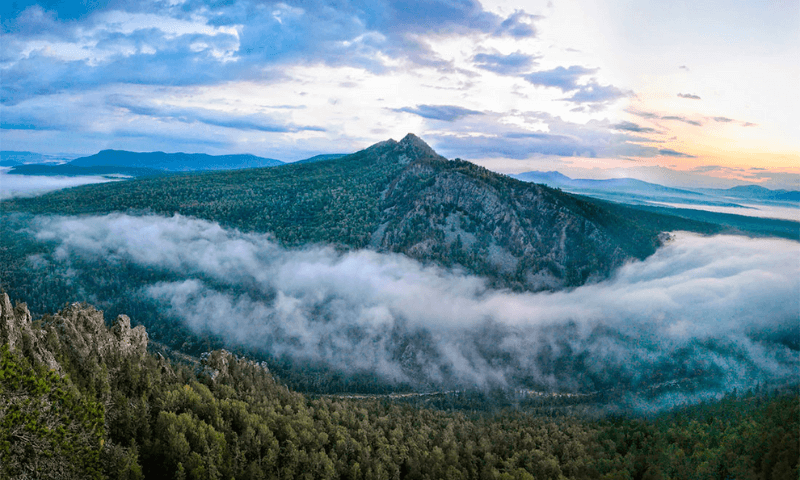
(411, 148)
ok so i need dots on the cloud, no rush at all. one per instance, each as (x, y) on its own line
(565, 79)
(519, 25)
(689, 96)
(731, 120)
(510, 64)
(13, 186)
(595, 93)
(717, 312)
(447, 113)
(202, 43)
(679, 118)
(545, 135)
(497, 140)
(261, 123)
(632, 127)
(655, 116)
(673, 153)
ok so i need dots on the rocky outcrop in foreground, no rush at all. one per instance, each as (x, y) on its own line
(78, 328)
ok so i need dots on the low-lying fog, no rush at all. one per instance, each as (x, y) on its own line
(746, 209)
(722, 310)
(12, 186)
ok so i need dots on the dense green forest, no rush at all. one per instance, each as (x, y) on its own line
(102, 407)
(393, 196)
(399, 197)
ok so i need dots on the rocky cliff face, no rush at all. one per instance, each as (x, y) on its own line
(520, 235)
(16, 331)
(399, 197)
(79, 330)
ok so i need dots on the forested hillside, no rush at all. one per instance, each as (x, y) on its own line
(80, 400)
(400, 197)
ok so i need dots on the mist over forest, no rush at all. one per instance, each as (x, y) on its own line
(718, 313)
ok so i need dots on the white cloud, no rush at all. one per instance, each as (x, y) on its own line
(719, 311)
(12, 186)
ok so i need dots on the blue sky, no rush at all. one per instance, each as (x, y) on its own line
(676, 92)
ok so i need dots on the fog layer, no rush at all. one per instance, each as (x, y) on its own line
(12, 186)
(721, 312)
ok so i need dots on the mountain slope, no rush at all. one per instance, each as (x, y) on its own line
(173, 162)
(322, 158)
(400, 197)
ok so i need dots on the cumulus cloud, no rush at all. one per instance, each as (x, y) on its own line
(565, 79)
(668, 152)
(519, 24)
(564, 139)
(632, 127)
(447, 113)
(655, 116)
(138, 42)
(510, 64)
(718, 312)
(595, 93)
(262, 123)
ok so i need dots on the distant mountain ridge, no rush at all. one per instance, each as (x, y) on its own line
(756, 192)
(557, 180)
(631, 190)
(174, 162)
(401, 197)
(10, 158)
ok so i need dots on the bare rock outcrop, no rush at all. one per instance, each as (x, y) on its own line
(79, 330)
(16, 331)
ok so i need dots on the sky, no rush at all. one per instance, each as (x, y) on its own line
(680, 93)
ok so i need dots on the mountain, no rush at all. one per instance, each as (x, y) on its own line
(756, 192)
(322, 158)
(401, 197)
(173, 162)
(631, 190)
(10, 158)
(630, 185)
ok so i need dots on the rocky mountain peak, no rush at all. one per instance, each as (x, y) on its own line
(407, 150)
(411, 148)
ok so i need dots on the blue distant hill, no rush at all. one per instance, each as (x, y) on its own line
(757, 192)
(9, 158)
(631, 185)
(631, 190)
(174, 162)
